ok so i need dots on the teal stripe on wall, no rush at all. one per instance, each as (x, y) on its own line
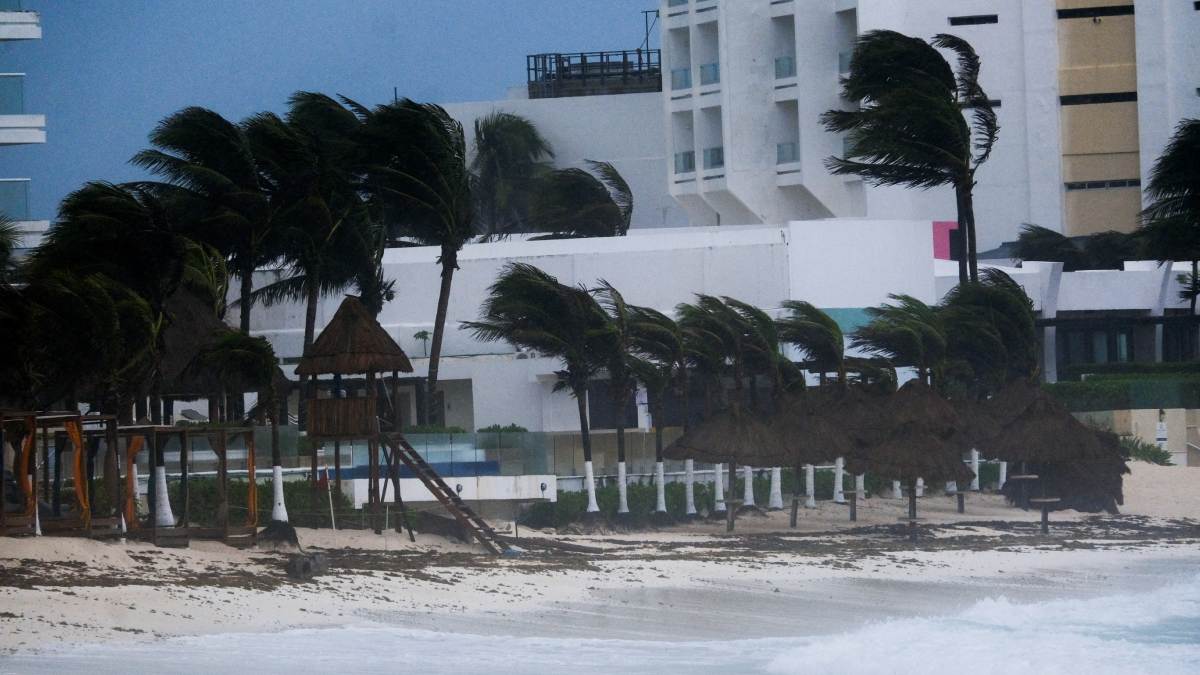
(848, 318)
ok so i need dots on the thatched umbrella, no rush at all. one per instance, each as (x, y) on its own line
(1080, 465)
(353, 343)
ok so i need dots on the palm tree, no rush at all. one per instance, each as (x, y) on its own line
(991, 338)
(908, 333)
(238, 361)
(817, 335)
(212, 177)
(10, 237)
(909, 127)
(414, 160)
(574, 203)
(510, 152)
(1171, 220)
(618, 190)
(530, 309)
(659, 341)
(622, 365)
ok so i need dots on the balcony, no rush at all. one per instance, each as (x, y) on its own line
(844, 58)
(710, 73)
(685, 162)
(16, 127)
(14, 198)
(18, 24)
(714, 158)
(594, 73)
(676, 3)
(681, 78)
(787, 153)
(785, 67)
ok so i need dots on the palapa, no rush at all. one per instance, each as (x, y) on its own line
(353, 342)
(820, 425)
(921, 440)
(735, 434)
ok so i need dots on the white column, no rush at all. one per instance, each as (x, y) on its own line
(689, 488)
(860, 486)
(162, 501)
(897, 493)
(975, 469)
(622, 489)
(660, 488)
(951, 487)
(37, 518)
(748, 486)
(589, 480)
(718, 488)
(920, 487)
(1003, 473)
(279, 510)
(810, 487)
(776, 500)
(839, 494)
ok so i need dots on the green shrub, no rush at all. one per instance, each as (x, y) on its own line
(1076, 373)
(506, 429)
(1136, 448)
(298, 495)
(1128, 393)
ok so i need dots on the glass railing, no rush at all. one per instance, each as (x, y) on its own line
(681, 78)
(844, 61)
(786, 153)
(10, 6)
(12, 94)
(785, 66)
(685, 162)
(710, 73)
(14, 199)
(714, 158)
(676, 3)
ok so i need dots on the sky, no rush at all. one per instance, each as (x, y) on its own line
(106, 71)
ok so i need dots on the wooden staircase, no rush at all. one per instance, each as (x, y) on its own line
(445, 494)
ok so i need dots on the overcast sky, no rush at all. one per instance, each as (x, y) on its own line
(106, 71)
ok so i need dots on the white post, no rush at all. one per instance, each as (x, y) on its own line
(747, 486)
(775, 503)
(860, 486)
(718, 489)
(622, 489)
(37, 519)
(975, 469)
(897, 493)
(163, 516)
(660, 488)
(920, 487)
(689, 489)
(279, 510)
(839, 494)
(589, 480)
(1003, 474)
(951, 487)
(810, 488)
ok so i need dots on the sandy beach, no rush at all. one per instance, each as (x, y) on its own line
(826, 576)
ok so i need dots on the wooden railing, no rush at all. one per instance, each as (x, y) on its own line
(341, 417)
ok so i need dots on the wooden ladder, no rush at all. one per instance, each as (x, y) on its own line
(445, 494)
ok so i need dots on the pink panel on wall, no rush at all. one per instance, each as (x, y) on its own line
(941, 238)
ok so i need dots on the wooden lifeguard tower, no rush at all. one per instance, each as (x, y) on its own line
(353, 343)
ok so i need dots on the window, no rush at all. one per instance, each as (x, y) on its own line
(1086, 99)
(1095, 12)
(714, 158)
(1104, 184)
(974, 19)
(685, 162)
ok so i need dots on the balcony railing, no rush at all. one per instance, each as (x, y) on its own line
(785, 66)
(710, 73)
(12, 94)
(594, 73)
(14, 198)
(714, 158)
(676, 3)
(786, 153)
(681, 78)
(11, 6)
(685, 162)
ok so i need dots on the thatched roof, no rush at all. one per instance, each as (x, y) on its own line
(921, 440)
(735, 434)
(820, 425)
(353, 342)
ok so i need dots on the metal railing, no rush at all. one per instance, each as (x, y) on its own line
(12, 94)
(785, 66)
(710, 73)
(14, 198)
(714, 158)
(628, 71)
(786, 153)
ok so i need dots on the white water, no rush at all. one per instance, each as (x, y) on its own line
(1152, 632)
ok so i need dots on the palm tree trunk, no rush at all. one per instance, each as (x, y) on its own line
(449, 264)
(963, 246)
(278, 505)
(660, 479)
(247, 287)
(586, 440)
(1195, 280)
(972, 252)
(622, 487)
(311, 297)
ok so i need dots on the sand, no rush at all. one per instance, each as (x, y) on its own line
(62, 591)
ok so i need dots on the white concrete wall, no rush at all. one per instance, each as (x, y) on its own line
(475, 488)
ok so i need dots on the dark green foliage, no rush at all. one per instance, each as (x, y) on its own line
(1129, 371)
(1102, 251)
(509, 155)
(506, 429)
(574, 203)
(1136, 448)
(1127, 394)
(298, 495)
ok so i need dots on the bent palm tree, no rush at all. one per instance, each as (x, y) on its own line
(817, 335)
(907, 333)
(622, 366)
(659, 341)
(509, 155)
(909, 128)
(530, 309)
(1171, 221)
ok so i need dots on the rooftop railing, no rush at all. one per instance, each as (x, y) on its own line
(594, 73)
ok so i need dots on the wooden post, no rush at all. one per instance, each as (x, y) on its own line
(962, 506)
(854, 506)
(223, 481)
(252, 482)
(112, 471)
(185, 446)
(1045, 519)
(56, 487)
(152, 484)
(3, 497)
(45, 464)
(396, 421)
